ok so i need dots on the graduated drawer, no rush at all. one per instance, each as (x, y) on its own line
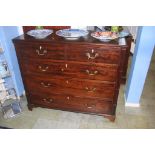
(104, 72)
(42, 51)
(88, 53)
(75, 87)
(72, 103)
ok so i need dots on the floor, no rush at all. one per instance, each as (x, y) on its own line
(142, 117)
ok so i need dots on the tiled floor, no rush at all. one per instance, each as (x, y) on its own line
(126, 117)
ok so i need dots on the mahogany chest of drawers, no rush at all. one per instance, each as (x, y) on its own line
(81, 76)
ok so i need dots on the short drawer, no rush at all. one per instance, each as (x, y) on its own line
(94, 54)
(75, 87)
(71, 103)
(102, 71)
(43, 67)
(42, 51)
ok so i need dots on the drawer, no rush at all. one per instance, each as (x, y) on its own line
(98, 71)
(94, 54)
(104, 72)
(71, 103)
(43, 67)
(42, 51)
(75, 87)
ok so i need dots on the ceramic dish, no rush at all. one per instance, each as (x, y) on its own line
(72, 34)
(104, 36)
(108, 35)
(40, 34)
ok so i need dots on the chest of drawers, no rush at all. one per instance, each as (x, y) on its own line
(79, 76)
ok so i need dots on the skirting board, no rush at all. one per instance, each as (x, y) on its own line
(130, 104)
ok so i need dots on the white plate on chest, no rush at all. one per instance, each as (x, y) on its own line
(72, 34)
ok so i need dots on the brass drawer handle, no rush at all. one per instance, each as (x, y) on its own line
(90, 90)
(92, 56)
(67, 97)
(40, 51)
(67, 81)
(48, 100)
(45, 85)
(43, 69)
(89, 107)
(91, 72)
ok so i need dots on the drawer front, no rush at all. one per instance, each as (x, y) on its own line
(71, 103)
(43, 67)
(42, 51)
(94, 54)
(104, 72)
(82, 88)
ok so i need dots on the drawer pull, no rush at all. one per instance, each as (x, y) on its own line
(45, 85)
(62, 69)
(43, 69)
(90, 56)
(40, 52)
(67, 81)
(48, 100)
(90, 90)
(91, 72)
(68, 97)
(89, 107)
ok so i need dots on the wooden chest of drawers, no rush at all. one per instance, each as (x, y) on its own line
(81, 76)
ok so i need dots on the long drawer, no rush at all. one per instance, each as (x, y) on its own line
(71, 103)
(104, 72)
(80, 53)
(94, 54)
(42, 51)
(76, 87)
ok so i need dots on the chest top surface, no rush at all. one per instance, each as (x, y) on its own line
(53, 38)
